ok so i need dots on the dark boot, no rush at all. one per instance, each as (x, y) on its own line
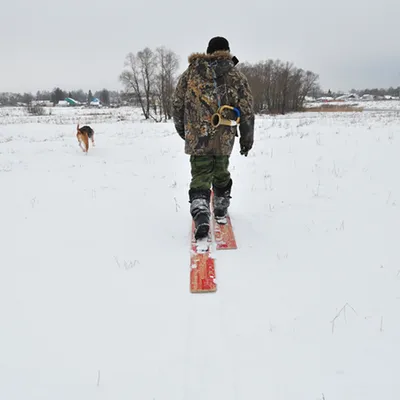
(200, 210)
(221, 201)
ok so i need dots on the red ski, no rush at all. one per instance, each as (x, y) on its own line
(202, 273)
(224, 236)
(223, 232)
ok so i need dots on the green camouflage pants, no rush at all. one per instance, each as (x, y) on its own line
(209, 170)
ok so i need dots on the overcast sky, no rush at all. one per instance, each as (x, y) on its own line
(83, 43)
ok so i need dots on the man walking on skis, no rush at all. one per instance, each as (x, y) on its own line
(211, 100)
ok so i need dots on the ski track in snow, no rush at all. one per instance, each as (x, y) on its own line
(95, 263)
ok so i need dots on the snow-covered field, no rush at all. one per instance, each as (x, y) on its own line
(94, 285)
(68, 115)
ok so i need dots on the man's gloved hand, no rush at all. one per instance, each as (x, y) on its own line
(244, 151)
(245, 147)
(246, 136)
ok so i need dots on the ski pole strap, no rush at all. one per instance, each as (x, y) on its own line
(215, 85)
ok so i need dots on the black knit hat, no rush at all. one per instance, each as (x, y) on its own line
(217, 43)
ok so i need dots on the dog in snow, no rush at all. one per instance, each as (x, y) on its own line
(84, 134)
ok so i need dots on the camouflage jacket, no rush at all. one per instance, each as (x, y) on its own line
(209, 81)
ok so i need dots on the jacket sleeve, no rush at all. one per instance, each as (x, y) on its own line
(178, 104)
(246, 108)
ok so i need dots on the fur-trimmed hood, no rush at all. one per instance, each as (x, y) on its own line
(220, 61)
(217, 55)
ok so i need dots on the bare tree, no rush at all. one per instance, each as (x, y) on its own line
(309, 84)
(255, 77)
(130, 79)
(138, 79)
(167, 66)
(150, 79)
(147, 66)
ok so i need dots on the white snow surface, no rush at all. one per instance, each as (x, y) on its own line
(95, 263)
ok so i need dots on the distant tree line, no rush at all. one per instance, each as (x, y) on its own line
(105, 96)
(279, 87)
(394, 92)
(149, 78)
